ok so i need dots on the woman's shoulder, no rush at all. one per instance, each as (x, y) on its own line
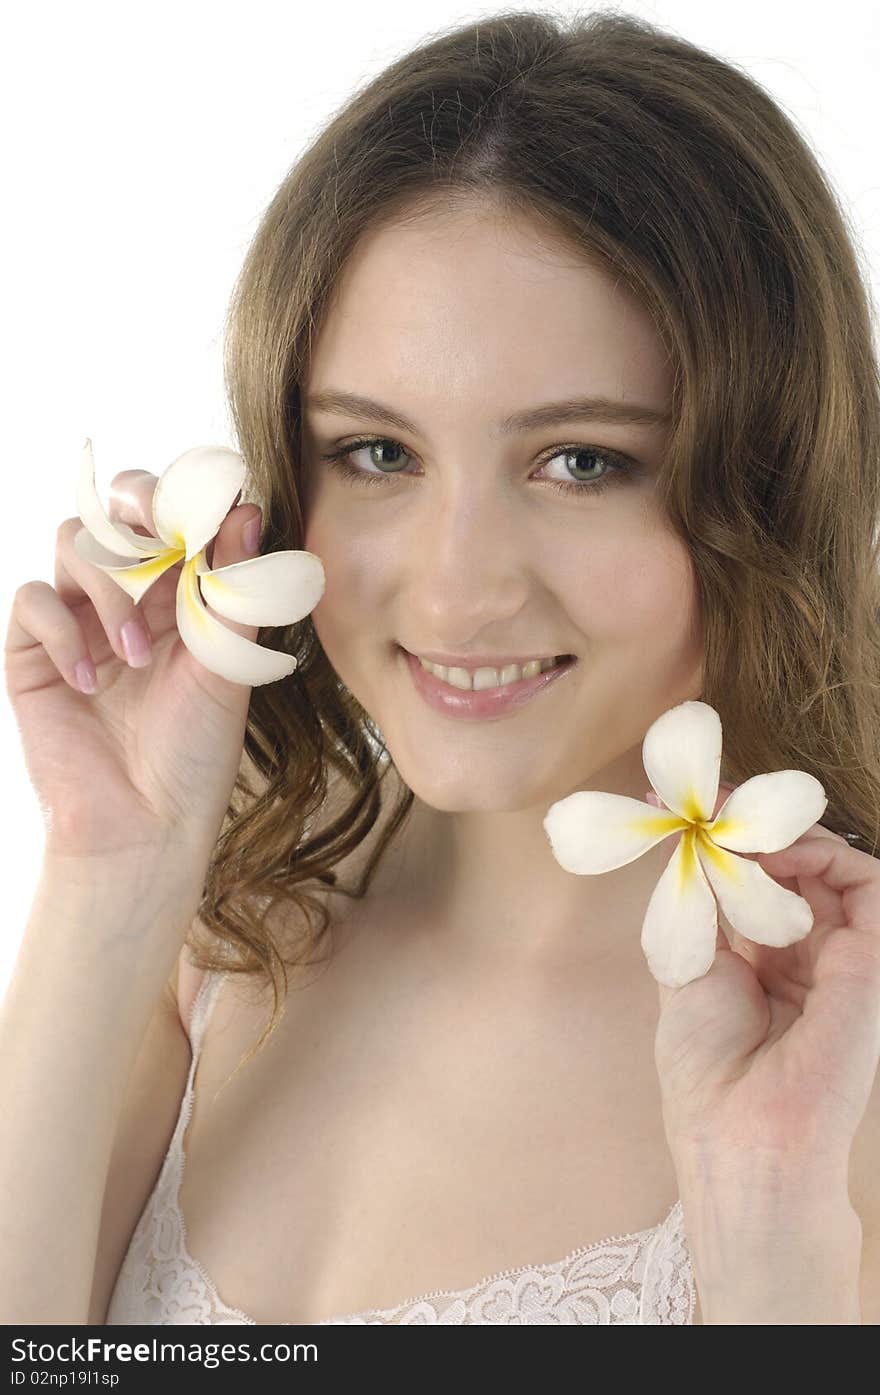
(191, 976)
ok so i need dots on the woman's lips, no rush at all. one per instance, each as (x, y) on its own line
(487, 702)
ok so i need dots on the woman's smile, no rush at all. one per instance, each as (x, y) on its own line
(493, 592)
(458, 693)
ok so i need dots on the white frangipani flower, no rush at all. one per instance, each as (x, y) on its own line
(592, 832)
(190, 502)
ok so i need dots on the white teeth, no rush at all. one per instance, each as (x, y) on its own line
(487, 677)
(458, 677)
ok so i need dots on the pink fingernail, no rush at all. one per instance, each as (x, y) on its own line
(86, 677)
(250, 535)
(135, 643)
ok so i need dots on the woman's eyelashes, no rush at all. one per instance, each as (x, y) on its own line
(616, 468)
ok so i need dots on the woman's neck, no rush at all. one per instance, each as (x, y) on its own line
(488, 881)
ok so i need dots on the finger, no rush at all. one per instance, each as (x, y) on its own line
(724, 793)
(779, 870)
(228, 548)
(817, 830)
(131, 499)
(42, 627)
(76, 581)
(854, 875)
(125, 624)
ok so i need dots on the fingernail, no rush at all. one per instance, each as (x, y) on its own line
(250, 536)
(135, 643)
(86, 677)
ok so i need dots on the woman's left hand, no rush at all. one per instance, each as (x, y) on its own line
(767, 1062)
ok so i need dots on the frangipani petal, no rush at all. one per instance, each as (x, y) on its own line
(222, 651)
(756, 905)
(681, 754)
(768, 812)
(275, 589)
(189, 503)
(680, 929)
(591, 831)
(118, 538)
(194, 495)
(135, 577)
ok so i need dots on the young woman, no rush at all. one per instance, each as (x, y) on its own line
(554, 348)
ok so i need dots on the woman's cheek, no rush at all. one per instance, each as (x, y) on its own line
(649, 585)
(352, 604)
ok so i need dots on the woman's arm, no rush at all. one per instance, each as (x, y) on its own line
(100, 944)
(792, 1255)
(824, 1258)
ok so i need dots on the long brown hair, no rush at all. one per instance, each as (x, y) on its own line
(675, 170)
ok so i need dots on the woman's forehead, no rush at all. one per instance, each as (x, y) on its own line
(478, 316)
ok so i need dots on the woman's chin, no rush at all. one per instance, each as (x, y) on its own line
(467, 791)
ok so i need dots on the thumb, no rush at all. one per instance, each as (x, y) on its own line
(721, 944)
(229, 547)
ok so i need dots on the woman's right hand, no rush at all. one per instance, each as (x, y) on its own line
(153, 754)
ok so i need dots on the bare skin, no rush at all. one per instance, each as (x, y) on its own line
(469, 1084)
(383, 1143)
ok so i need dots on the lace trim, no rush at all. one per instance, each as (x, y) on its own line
(160, 1282)
(643, 1277)
(570, 1290)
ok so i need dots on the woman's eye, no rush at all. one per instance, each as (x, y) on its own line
(339, 459)
(582, 474)
(593, 469)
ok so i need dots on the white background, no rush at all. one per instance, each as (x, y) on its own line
(141, 143)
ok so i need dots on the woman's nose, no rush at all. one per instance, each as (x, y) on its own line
(469, 565)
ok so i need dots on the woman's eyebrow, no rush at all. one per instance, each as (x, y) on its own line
(350, 404)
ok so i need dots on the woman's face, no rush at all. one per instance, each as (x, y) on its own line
(454, 539)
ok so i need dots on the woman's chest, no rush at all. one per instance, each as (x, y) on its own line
(400, 1135)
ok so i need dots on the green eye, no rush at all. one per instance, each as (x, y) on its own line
(618, 467)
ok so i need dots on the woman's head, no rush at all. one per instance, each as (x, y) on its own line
(457, 537)
(666, 191)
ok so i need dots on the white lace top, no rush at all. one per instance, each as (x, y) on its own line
(643, 1278)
